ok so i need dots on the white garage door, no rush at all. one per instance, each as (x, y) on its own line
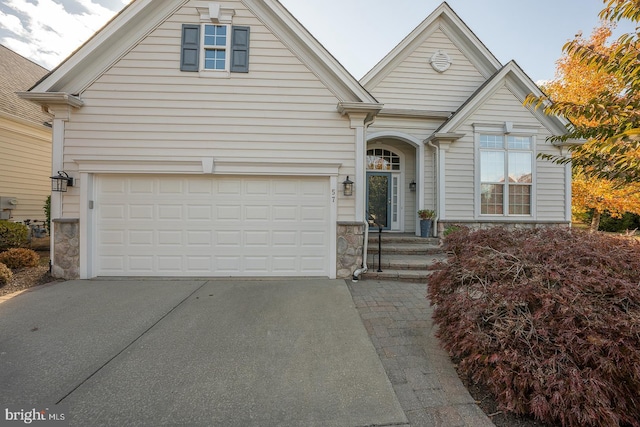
(212, 226)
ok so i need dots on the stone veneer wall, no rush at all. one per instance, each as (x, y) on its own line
(66, 248)
(443, 225)
(350, 245)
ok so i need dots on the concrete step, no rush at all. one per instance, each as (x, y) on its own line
(404, 249)
(419, 276)
(405, 262)
(402, 238)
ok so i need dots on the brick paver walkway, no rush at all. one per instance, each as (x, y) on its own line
(397, 317)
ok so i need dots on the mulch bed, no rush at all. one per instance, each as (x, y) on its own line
(28, 277)
(489, 406)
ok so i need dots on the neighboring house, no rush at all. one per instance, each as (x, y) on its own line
(213, 139)
(25, 141)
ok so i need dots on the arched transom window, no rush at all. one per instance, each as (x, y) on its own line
(380, 159)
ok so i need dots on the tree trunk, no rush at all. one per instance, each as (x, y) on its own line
(595, 221)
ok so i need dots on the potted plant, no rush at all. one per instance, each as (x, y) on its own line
(426, 221)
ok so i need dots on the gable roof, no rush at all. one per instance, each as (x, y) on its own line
(140, 17)
(17, 73)
(445, 19)
(520, 84)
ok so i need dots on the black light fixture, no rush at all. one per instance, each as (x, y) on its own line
(61, 181)
(348, 187)
(412, 185)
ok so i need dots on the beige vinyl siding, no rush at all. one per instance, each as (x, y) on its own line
(413, 83)
(25, 162)
(460, 176)
(460, 180)
(145, 106)
(551, 202)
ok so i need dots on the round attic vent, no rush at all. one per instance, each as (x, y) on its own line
(440, 61)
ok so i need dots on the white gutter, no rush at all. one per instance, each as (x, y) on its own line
(436, 180)
(365, 246)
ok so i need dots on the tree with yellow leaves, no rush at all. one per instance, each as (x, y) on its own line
(578, 82)
(609, 115)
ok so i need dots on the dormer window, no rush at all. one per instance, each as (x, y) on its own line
(215, 46)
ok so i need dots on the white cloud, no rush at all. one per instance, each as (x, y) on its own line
(11, 23)
(50, 33)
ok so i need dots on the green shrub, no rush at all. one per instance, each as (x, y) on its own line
(450, 229)
(547, 319)
(13, 235)
(5, 274)
(19, 258)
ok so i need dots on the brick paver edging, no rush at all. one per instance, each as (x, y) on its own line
(397, 317)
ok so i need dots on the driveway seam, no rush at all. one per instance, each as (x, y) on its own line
(132, 342)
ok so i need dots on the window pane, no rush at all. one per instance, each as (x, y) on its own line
(492, 166)
(215, 35)
(214, 59)
(492, 199)
(380, 159)
(519, 142)
(520, 167)
(519, 199)
(491, 141)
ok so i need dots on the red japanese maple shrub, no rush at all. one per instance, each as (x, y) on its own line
(548, 319)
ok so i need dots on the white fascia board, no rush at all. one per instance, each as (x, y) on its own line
(459, 33)
(51, 98)
(108, 45)
(520, 85)
(11, 118)
(298, 39)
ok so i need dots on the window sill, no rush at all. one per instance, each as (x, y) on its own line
(214, 74)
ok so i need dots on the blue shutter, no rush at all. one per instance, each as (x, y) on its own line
(239, 49)
(190, 52)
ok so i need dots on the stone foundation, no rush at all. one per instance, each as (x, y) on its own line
(66, 248)
(474, 225)
(350, 245)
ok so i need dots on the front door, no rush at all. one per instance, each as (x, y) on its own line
(382, 199)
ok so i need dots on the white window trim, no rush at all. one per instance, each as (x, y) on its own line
(215, 14)
(484, 129)
(204, 48)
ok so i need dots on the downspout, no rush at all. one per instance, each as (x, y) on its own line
(363, 269)
(436, 172)
(365, 247)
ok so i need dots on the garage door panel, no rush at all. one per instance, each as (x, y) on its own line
(114, 211)
(228, 212)
(285, 238)
(257, 213)
(199, 213)
(199, 238)
(139, 186)
(216, 226)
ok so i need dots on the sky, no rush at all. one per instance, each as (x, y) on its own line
(359, 33)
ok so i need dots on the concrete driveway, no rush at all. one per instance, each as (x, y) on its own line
(193, 352)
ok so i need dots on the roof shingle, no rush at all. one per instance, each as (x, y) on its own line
(18, 74)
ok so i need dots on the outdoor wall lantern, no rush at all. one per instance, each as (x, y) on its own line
(348, 187)
(61, 181)
(412, 185)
